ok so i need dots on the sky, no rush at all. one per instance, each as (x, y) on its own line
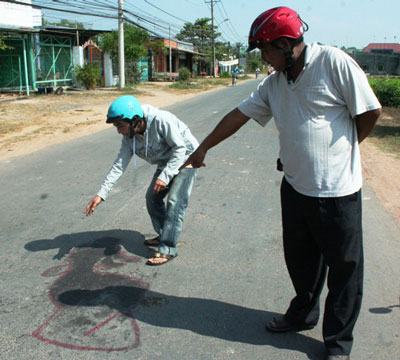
(333, 22)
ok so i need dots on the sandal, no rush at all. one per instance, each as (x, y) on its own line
(159, 259)
(152, 242)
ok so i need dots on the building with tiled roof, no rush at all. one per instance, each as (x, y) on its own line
(379, 58)
(382, 48)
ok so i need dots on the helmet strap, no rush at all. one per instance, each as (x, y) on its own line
(287, 53)
(289, 61)
(131, 130)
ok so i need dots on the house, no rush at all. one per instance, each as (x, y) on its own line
(226, 66)
(379, 58)
(382, 48)
(174, 54)
(43, 57)
(40, 57)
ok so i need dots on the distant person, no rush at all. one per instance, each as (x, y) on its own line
(323, 107)
(257, 72)
(235, 73)
(160, 138)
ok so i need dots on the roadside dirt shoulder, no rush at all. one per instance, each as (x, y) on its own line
(382, 172)
(33, 123)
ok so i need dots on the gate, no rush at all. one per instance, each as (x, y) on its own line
(53, 60)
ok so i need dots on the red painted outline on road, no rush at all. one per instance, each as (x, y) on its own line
(59, 269)
(100, 325)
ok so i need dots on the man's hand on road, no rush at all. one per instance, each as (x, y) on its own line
(159, 185)
(92, 204)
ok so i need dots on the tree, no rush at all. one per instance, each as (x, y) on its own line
(136, 43)
(200, 34)
(254, 61)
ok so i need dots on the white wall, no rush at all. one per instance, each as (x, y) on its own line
(109, 78)
(77, 56)
(19, 16)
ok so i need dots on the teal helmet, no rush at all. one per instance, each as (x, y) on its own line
(124, 108)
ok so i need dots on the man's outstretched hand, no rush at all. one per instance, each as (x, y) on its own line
(92, 204)
(196, 160)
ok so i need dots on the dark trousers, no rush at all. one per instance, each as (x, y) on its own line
(324, 236)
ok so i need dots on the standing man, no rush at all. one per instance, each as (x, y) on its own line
(235, 73)
(160, 138)
(323, 107)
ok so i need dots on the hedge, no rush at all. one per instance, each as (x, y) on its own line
(387, 90)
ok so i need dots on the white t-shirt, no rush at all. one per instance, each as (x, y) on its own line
(314, 116)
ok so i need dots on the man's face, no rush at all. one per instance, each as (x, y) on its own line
(273, 56)
(138, 126)
(122, 127)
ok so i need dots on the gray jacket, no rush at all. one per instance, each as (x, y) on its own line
(167, 142)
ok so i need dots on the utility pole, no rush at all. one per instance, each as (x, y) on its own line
(77, 33)
(212, 2)
(213, 38)
(170, 54)
(121, 45)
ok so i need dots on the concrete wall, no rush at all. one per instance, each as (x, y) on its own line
(379, 64)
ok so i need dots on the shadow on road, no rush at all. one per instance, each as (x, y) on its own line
(207, 317)
(132, 241)
(84, 282)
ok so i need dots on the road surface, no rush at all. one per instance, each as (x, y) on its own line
(76, 287)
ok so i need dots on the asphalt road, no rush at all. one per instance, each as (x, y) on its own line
(77, 288)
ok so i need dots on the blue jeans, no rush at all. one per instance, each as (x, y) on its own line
(167, 217)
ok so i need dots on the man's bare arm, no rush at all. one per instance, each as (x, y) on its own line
(229, 124)
(366, 122)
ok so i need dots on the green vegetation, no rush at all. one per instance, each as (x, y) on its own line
(88, 75)
(199, 83)
(182, 85)
(387, 90)
(3, 45)
(386, 133)
(65, 23)
(254, 61)
(184, 74)
(137, 41)
(200, 34)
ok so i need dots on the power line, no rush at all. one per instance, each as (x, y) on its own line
(165, 12)
(221, 8)
(152, 19)
(58, 9)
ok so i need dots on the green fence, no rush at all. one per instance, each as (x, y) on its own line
(14, 73)
(53, 61)
(35, 60)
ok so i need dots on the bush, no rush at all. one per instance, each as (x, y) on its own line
(387, 90)
(184, 74)
(225, 75)
(88, 75)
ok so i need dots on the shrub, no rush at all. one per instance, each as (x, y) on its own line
(225, 75)
(184, 74)
(88, 75)
(387, 90)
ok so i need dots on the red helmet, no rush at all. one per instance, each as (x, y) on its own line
(275, 23)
